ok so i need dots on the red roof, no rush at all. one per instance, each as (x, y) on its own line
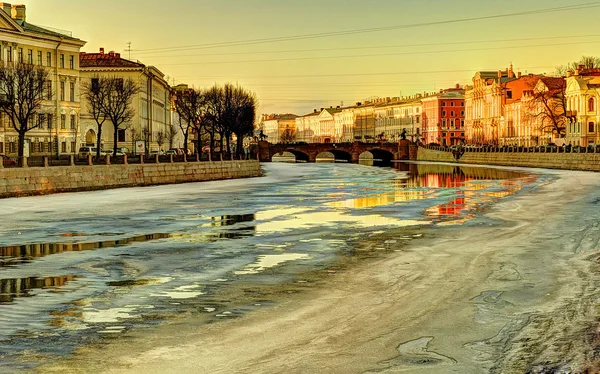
(101, 59)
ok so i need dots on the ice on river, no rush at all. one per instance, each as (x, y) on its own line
(76, 266)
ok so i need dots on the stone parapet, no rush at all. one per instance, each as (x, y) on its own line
(565, 161)
(16, 182)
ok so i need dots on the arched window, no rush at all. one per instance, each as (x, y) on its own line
(591, 104)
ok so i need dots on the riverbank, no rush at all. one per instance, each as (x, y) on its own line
(514, 294)
(17, 182)
(548, 160)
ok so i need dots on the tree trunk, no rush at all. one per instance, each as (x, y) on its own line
(185, 142)
(115, 137)
(98, 142)
(240, 146)
(21, 146)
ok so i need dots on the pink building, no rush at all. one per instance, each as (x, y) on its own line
(444, 117)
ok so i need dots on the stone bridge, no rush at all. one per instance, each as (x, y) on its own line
(342, 152)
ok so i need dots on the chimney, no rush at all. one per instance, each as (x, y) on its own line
(499, 73)
(322, 109)
(457, 86)
(314, 111)
(117, 55)
(7, 8)
(518, 74)
(510, 72)
(18, 12)
(111, 53)
(580, 67)
(101, 50)
(569, 73)
(358, 103)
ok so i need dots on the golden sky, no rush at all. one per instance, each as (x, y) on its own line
(300, 55)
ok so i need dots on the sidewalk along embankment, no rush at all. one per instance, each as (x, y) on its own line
(15, 182)
(565, 161)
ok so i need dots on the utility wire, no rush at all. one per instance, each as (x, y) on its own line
(378, 54)
(581, 6)
(379, 47)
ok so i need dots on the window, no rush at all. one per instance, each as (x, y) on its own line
(462, 113)
(12, 147)
(9, 54)
(591, 104)
(452, 134)
(95, 85)
(62, 60)
(72, 124)
(63, 121)
(443, 103)
(49, 90)
(121, 135)
(444, 122)
(39, 58)
(1, 147)
(509, 94)
(72, 91)
(120, 84)
(40, 147)
(71, 62)
(73, 148)
(452, 123)
(63, 147)
(1, 58)
(62, 91)
(48, 58)
(451, 113)
(443, 113)
(30, 56)
(20, 55)
(41, 121)
(591, 127)
(452, 104)
(50, 118)
(462, 103)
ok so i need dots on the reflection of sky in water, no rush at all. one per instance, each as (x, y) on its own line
(77, 266)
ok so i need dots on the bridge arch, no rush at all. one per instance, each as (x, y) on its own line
(336, 155)
(299, 156)
(376, 157)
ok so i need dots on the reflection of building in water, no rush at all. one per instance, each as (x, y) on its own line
(229, 220)
(20, 287)
(12, 255)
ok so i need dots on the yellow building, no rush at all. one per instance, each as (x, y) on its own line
(152, 103)
(583, 100)
(279, 127)
(483, 106)
(58, 51)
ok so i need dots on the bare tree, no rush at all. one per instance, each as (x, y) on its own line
(94, 92)
(180, 99)
(170, 135)
(288, 135)
(22, 91)
(116, 103)
(588, 62)
(546, 106)
(160, 139)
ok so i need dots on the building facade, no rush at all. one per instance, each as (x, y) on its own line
(398, 115)
(483, 106)
(582, 96)
(444, 117)
(152, 104)
(58, 52)
(279, 127)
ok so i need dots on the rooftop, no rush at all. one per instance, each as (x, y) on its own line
(110, 59)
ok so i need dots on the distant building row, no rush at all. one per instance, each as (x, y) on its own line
(499, 108)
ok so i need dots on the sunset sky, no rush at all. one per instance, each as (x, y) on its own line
(331, 52)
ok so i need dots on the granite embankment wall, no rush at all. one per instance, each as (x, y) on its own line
(566, 161)
(45, 180)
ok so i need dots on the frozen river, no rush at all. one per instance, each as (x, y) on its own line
(84, 269)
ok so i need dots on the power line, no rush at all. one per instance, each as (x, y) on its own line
(355, 74)
(581, 6)
(379, 54)
(379, 47)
